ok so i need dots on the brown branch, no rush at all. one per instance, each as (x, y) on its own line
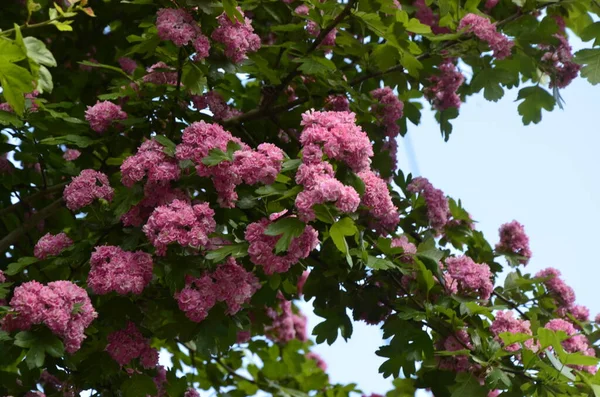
(35, 196)
(259, 113)
(510, 303)
(19, 232)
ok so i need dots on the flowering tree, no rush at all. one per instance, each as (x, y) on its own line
(175, 174)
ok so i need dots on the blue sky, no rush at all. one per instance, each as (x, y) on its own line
(542, 175)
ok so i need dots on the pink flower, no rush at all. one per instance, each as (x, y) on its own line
(128, 344)
(314, 30)
(426, 16)
(202, 47)
(486, 31)
(62, 306)
(458, 363)
(180, 222)
(87, 187)
(438, 209)
(150, 161)
(2, 277)
(557, 287)
(6, 167)
(385, 216)
(160, 380)
(191, 393)
(243, 336)
(302, 10)
(167, 76)
(576, 342)
(490, 4)
(261, 248)
(103, 114)
(505, 322)
(286, 324)
(409, 248)
(301, 281)
(339, 136)
(580, 313)
(176, 25)
(113, 269)
(318, 359)
(514, 240)
(238, 38)
(229, 283)
(469, 278)
(337, 103)
(443, 88)
(155, 194)
(51, 245)
(71, 154)
(216, 104)
(127, 64)
(559, 59)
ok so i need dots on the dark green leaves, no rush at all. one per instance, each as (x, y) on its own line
(38, 344)
(287, 228)
(490, 81)
(316, 65)
(236, 250)
(139, 385)
(17, 267)
(591, 61)
(216, 156)
(535, 99)
(15, 80)
(74, 140)
(338, 232)
(169, 145)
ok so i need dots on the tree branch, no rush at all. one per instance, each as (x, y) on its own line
(16, 234)
(33, 197)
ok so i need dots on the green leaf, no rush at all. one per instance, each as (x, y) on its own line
(169, 145)
(230, 8)
(468, 385)
(338, 232)
(74, 140)
(510, 338)
(44, 83)
(590, 58)
(290, 165)
(104, 66)
(37, 51)
(193, 79)
(236, 250)
(490, 81)
(314, 65)
(63, 26)
(17, 267)
(35, 357)
(288, 228)
(535, 99)
(417, 27)
(138, 385)
(25, 339)
(499, 378)
(379, 263)
(560, 367)
(7, 118)
(215, 157)
(385, 56)
(10, 52)
(16, 81)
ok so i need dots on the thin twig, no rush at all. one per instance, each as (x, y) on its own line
(510, 303)
(33, 197)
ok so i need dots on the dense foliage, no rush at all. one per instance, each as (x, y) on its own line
(176, 173)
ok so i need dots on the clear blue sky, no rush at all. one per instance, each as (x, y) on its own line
(544, 176)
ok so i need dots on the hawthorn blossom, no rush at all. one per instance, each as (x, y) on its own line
(466, 277)
(486, 31)
(128, 344)
(286, 324)
(302, 9)
(127, 64)
(150, 161)
(179, 222)
(444, 86)
(177, 25)
(313, 29)
(191, 393)
(300, 283)
(337, 103)
(577, 343)
(388, 110)
(71, 154)
(580, 313)
(158, 77)
(457, 363)
(377, 198)
(560, 60)
(62, 306)
(155, 194)
(556, 286)
(123, 272)
(216, 104)
(30, 104)
(51, 245)
(6, 167)
(426, 16)
(229, 283)
(2, 277)
(160, 380)
(261, 248)
(438, 209)
(318, 360)
(102, 115)
(85, 188)
(514, 240)
(505, 322)
(409, 248)
(490, 4)
(238, 38)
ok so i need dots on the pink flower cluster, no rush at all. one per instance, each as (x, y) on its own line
(2, 277)
(51, 245)
(30, 104)
(250, 166)
(459, 341)
(318, 360)
(71, 154)
(514, 240)
(178, 26)
(302, 9)
(505, 322)
(103, 114)
(560, 58)
(438, 209)
(238, 38)
(6, 167)
(426, 16)
(388, 111)
(443, 88)
(576, 342)
(579, 312)
(155, 194)
(123, 272)
(180, 222)
(128, 344)
(62, 306)
(466, 277)
(156, 75)
(337, 103)
(229, 283)
(160, 380)
(339, 136)
(191, 393)
(261, 248)
(85, 188)
(301, 281)
(556, 286)
(150, 161)
(314, 30)
(409, 248)
(127, 64)
(385, 216)
(286, 324)
(486, 31)
(216, 104)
